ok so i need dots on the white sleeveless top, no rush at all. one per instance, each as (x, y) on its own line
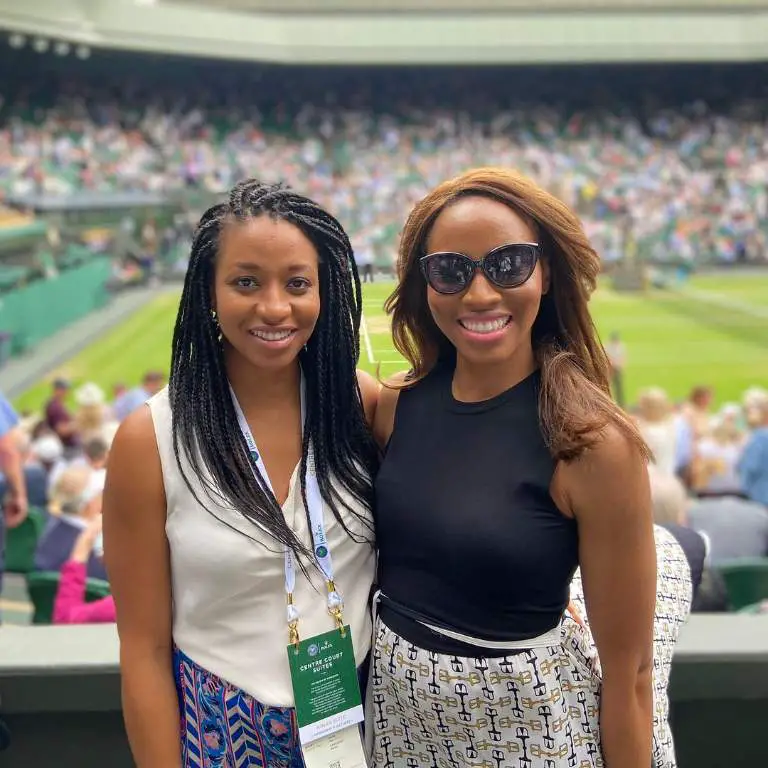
(229, 607)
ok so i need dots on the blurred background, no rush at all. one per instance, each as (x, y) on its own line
(122, 120)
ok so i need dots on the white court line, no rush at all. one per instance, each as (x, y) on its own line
(724, 301)
(367, 339)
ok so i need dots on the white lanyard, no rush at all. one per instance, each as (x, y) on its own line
(316, 519)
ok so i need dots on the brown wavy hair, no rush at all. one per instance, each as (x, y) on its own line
(575, 403)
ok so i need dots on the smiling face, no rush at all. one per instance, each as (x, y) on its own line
(486, 324)
(266, 291)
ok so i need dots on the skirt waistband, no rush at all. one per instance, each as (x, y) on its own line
(549, 638)
(553, 637)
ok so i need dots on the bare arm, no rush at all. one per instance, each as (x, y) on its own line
(369, 389)
(608, 493)
(138, 562)
(10, 461)
(384, 422)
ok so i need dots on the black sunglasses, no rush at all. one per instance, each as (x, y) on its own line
(506, 266)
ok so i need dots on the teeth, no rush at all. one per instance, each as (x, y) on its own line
(485, 326)
(271, 335)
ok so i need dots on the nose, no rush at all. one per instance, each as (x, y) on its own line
(481, 294)
(274, 305)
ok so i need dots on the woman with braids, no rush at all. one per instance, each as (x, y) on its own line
(208, 536)
(507, 465)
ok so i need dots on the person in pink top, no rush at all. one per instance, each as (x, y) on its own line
(70, 606)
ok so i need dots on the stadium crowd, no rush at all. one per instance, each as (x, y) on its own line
(683, 181)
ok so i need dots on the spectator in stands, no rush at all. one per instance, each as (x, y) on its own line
(94, 456)
(70, 606)
(689, 181)
(35, 475)
(617, 357)
(752, 401)
(73, 504)
(753, 465)
(46, 448)
(15, 499)
(196, 526)
(126, 404)
(364, 259)
(58, 417)
(696, 411)
(734, 527)
(685, 445)
(92, 417)
(717, 455)
(118, 390)
(656, 422)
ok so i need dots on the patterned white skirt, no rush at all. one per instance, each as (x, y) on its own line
(535, 708)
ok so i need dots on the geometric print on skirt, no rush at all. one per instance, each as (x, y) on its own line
(673, 606)
(224, 727)
(536, 708)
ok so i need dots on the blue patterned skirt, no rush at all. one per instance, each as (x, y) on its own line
(224, 727)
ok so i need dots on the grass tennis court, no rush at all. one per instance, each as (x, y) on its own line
(713, 332)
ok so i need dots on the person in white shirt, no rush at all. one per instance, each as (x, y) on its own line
(198, 519)
(617, 357)
(657, 425)
(364, 259)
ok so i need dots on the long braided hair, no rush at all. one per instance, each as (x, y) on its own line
(204, 420)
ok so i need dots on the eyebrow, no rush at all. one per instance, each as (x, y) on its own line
(253, 267)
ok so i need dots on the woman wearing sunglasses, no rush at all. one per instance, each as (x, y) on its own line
(507, 465)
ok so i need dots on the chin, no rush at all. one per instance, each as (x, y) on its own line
(275, 361)
(270, 359)
(486, 357)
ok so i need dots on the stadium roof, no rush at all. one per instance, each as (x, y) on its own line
(436, 32)
(422, 6)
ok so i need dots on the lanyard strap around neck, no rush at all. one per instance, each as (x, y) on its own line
(320, 545)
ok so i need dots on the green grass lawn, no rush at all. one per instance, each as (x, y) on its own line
(715, 332)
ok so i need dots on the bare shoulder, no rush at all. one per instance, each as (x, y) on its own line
(612, 474)
(612, 450)
(134, 439)
(133, 468)
(369, 390)
(385, 412)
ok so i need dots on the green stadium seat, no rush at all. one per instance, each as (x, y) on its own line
(11, 277)
(74, 255)
(753, 608)
(21, 542)
(42, 587)
(746, 581)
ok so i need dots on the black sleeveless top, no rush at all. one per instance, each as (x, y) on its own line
(469, 537)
